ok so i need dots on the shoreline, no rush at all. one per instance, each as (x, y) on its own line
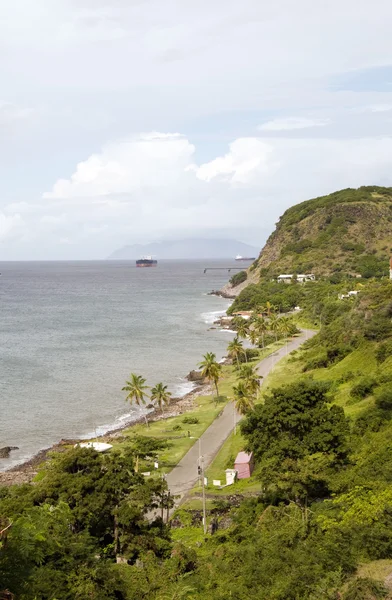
(25, 471)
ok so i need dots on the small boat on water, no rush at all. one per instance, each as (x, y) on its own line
(146, 261)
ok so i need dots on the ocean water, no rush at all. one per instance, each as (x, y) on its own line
(72, 332)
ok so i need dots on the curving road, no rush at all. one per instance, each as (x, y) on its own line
(185, 475)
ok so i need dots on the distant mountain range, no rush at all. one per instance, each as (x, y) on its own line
(191, 248)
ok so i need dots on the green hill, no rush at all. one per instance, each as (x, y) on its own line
(347, 232)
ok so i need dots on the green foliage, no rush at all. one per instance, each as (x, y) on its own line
(238, 278)
(296, 432)
(370, 265)
(364, 588)
(190, 420)
(363, 387)
(384, 399)
(284, 297)
(383, 351)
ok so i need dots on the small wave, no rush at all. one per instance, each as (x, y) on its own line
(183, 388)
(211, 317)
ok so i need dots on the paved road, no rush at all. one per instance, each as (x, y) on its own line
(184, 476)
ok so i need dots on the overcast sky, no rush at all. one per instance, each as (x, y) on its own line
(125, 121)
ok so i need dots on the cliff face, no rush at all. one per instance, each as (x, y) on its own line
(349, 231)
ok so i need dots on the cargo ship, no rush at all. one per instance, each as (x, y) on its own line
(146, 261)
(239, 257)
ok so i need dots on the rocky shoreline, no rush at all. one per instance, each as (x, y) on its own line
(26, 471)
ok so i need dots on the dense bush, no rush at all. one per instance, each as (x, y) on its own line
(384, 399)
(190, 420)
(363, 388)
(370, 265)
(383, 352)
(238, 278)
(364, 588)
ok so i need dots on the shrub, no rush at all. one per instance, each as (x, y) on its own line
(177, 428)
(378, 328)
(365, 588)
(384, 399)
(363, 388)
(190, 420)
(238, 278)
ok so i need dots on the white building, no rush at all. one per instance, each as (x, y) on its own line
(300, 278)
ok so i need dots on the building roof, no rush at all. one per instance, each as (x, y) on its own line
(243, 458)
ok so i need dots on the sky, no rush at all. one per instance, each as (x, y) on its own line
(133, 121)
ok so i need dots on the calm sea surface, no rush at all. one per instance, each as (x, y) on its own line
(72, 332)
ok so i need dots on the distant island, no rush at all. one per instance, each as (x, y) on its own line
(187, 249)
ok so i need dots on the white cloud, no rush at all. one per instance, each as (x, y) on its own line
(247, 157)
(146, 161)
(291, 123)
(151, 187)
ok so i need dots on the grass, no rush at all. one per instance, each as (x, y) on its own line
(175, 431)
(206, 411)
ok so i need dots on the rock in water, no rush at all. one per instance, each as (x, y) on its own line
(5, 451)
(195, 376)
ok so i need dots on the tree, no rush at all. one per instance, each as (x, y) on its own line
(211, 370)
(249, 375)
(261, 326)
(243, 398)
(235, 349)
(136, 389)
(160, 394)
(267, 309)
(241, 326)
(296, 437)
(274, 326)
(253, 336)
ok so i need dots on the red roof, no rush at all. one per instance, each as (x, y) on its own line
(243, 458)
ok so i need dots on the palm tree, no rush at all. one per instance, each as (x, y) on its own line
(261, 326)
(249, 375)
(274, 326)
(243, 399)
(136, 389)
(241, 327)
(211, 369)
(253, 336)
(286, 326)
(268, 308)
(235, 349)
(161, 395)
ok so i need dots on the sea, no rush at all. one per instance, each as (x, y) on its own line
(72, 332)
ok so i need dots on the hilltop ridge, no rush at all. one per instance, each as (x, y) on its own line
(346, 232)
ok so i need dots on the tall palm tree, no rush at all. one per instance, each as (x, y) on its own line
(243, 399)
(253, 336)
(251, 378)
(235, 349)
(160, 394)
(274, 326)
(286, 326)
(211, 369)
(136, 389)
(241, 326)
(261, 326)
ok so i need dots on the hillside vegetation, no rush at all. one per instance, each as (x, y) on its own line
(347, 232)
